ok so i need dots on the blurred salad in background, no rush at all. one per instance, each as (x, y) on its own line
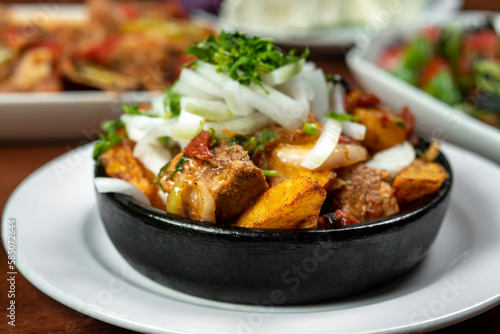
(459, 66)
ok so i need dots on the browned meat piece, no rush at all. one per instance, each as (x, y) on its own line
(365, 195)
(235, 182)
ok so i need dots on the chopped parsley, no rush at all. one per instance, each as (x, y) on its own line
(165, 141)
(341, 117)
(252, 144)
(243, 58)
(108, 140)
(178, 166)
(132, 109)
(172, 102)
(401, 124)
(311, 129)
(157, 181)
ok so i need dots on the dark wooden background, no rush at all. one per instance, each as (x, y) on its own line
(38, 313)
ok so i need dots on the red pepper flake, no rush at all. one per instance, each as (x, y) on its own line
(199, 147)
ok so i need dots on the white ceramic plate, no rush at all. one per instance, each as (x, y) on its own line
(64, 251)
(79, 114)
(341, 37)
(434, 118)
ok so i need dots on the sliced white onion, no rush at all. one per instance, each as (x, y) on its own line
(138, 125)
(324, 146)
(246, 125)
(317, 81)
(158, 105)
(234, 99)
(150, 152)
(114, 185)
(354, 130)
(188, 118)
(393, 159)
(284, 111)
(209, 72)
(342, 155)
(186, 131)
(194, 79)
(185, 89)
(338, 98)
(283, 73)
(299, 90)
(210, 110)
(201, 201)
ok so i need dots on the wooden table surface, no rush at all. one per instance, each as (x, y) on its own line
(38, 313)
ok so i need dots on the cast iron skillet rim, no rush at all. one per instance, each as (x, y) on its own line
(127, 203)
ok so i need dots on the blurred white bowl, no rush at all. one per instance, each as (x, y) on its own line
(434, 118)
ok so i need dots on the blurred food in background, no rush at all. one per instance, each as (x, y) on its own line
(459, 66)
(292, 17)
(120, 45)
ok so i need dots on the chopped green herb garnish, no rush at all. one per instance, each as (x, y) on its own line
(172, 103)
(341, 117)
(419, 153)
(178, 166)
(243, 58)
(200, 128)
(165, 141)
(266, 136)
(270, 172)
(310, 128)
(132, 109)
(401, 124)
(157, 180)
(108, 140)
(239, 139)
(252, 144)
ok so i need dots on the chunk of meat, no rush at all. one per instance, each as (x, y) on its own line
(365, 194)
(235, 182)
(119, 162)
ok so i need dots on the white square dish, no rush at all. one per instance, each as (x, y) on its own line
(434, 118)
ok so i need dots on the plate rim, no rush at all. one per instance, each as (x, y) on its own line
(118, 320)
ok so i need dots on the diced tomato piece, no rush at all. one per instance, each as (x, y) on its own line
(432, 69)
(199, 146)
(481, 44)
(392, 57)
(101, 52)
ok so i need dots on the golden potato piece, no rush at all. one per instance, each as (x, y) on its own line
(417, 180)
(286, 205)
(119, 162)
(383, 129)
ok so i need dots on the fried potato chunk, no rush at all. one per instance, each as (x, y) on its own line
(286, 205)
(119, 162)
(383, 129)
(417, 180)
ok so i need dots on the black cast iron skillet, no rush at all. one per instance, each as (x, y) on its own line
(281, 267)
